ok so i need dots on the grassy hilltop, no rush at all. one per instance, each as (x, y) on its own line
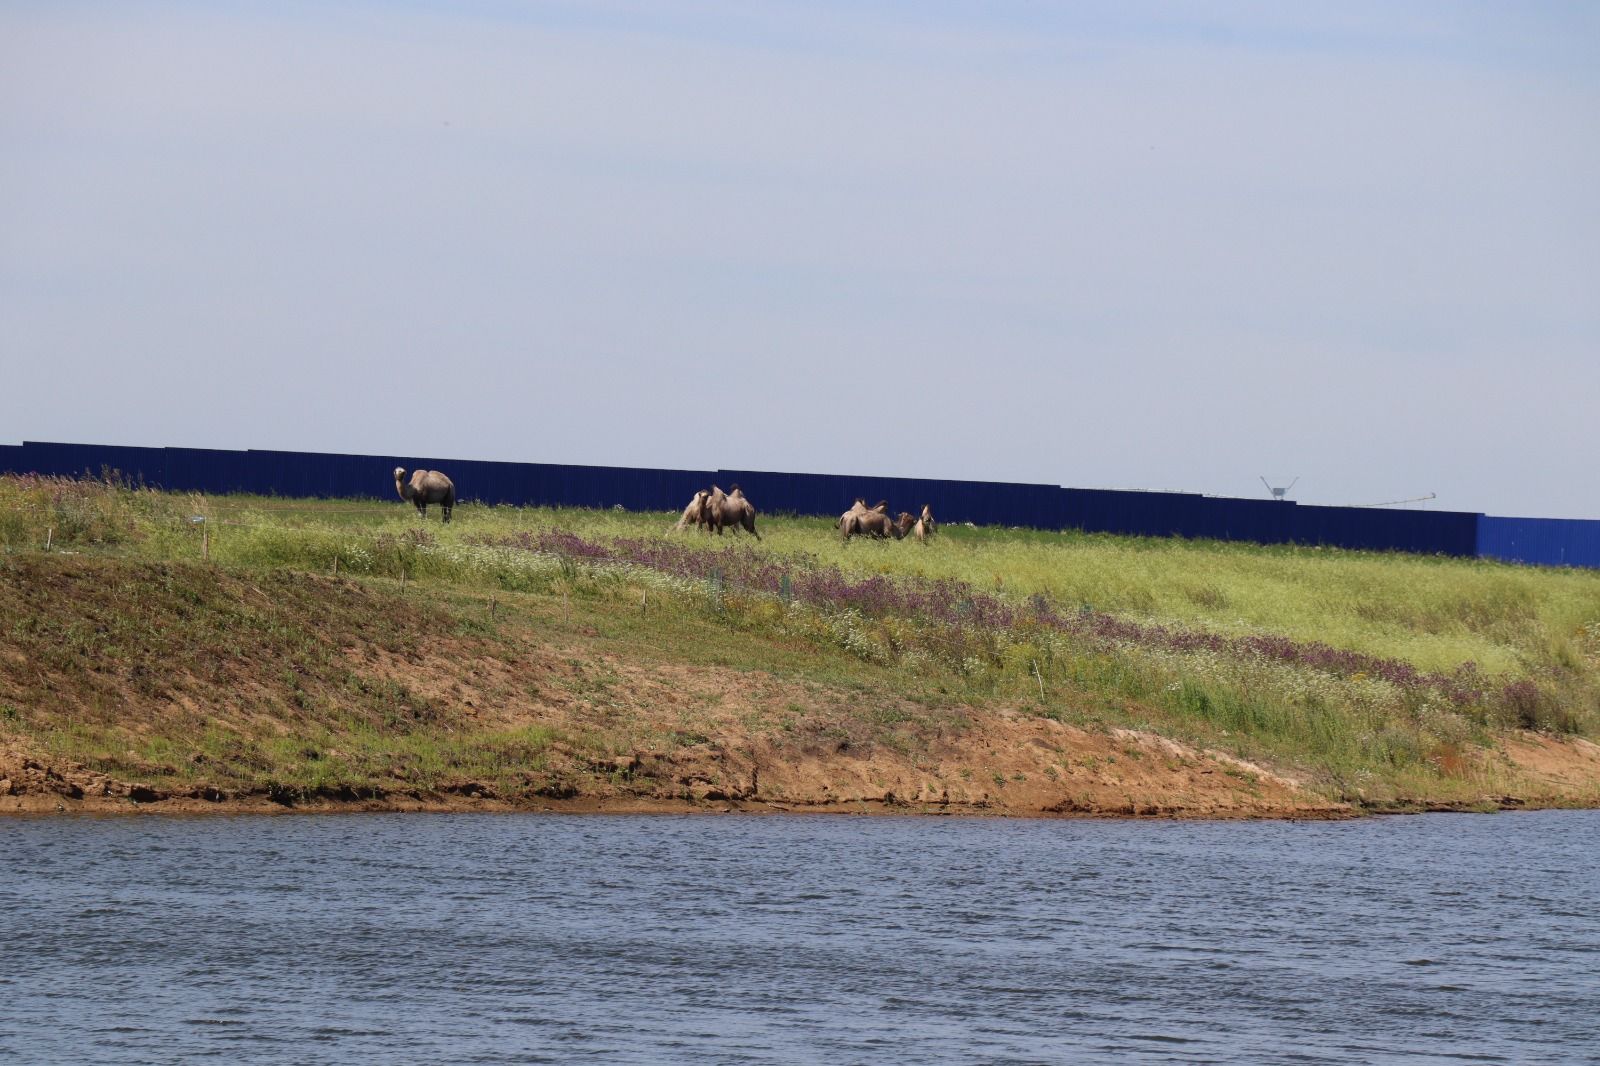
(300, 649)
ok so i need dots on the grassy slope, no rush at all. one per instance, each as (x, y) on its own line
(1433, 611)
(181, 674)
(103, 633)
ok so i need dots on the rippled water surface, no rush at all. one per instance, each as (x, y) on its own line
(481, 938)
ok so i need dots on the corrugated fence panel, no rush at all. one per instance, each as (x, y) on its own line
(1175, 514)
(1544, 541)
(213, 470)
(1555, 542)
(78, 460)
(1376, 529)
(1139, 514)
(1262, 521)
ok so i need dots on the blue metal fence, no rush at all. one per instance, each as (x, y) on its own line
(1544, 541)
(1556, 542)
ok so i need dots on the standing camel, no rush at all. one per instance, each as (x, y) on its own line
(694, 513)
(425, 487)
(730, 509)
(925, 525)
(847, 521)
(871, 521)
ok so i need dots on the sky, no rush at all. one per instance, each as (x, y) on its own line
(1158, 246)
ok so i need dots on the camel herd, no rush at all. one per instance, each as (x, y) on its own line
(874, 521)
(710, 509)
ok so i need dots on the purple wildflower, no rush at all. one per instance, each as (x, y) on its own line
(959, 606)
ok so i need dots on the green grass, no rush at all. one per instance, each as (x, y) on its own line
(1434, 612)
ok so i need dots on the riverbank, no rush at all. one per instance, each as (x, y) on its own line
(134, 687)
(1158, 779)
(304, 656)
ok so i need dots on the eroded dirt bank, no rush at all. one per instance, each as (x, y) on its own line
(1006, 766)
(1002, 764)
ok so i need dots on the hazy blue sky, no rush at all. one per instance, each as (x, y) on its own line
(1155, 246)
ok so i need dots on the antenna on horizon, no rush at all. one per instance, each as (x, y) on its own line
(1280, 494)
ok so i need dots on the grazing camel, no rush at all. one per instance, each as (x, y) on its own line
(425, 487)
(925, 526)
(695, 512)
(730, 509)
(868, 522)
(904, 524)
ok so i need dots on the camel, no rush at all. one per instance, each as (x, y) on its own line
(925, 525)
(904, 524)
(871, 521)
(695, 512)
(847, 520)
(425, 487)
(730, 509)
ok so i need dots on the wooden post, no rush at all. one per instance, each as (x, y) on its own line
(49, 536)
(205, 541)
(492, 606)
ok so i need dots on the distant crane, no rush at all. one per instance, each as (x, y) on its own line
(1396, 503)
(1279, 494)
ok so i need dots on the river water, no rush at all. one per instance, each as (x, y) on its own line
(656, 939)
